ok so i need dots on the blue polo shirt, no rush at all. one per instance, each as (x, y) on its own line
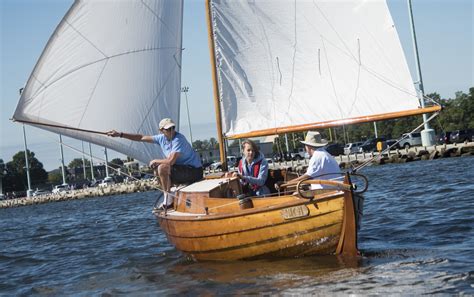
(187, 156)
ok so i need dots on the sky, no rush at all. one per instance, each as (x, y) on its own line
(444, 29)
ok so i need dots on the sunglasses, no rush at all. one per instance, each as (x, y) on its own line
(169, 129)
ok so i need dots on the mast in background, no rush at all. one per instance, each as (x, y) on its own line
(185, 90)
(63, 171)
(428, 134)
(27, 165)
(92, 163)
(83, 161)
(106, 163)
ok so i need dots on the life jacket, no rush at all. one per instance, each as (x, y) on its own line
(256, 170)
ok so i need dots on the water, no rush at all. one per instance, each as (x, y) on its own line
(417, 238)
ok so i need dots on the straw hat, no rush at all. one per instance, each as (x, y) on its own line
(166, 123)
(314, 139)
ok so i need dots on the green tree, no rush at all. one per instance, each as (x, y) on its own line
(116, 163)
(55, 177)
(77, 163)
(16, 179)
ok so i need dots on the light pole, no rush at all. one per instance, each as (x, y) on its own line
(185, 90)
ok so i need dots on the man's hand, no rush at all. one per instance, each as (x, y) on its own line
(113, 133)
(154, 164)
(278, 185)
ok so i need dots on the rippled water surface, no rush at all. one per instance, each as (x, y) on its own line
(417, 238)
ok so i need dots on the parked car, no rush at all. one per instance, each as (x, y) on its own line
(298, 154)
(232, 161)
(39, 192)
(463, 135)
(445, 138)
(370, 145)
(107, 182)
(391, 142)
(335, 149)
(60, 188)
(94, 183)
(352, 147)
(280, 157)
(410, 140)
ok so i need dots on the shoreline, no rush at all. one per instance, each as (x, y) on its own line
(345, 162)
(115, 189)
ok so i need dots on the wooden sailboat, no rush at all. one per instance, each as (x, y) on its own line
(208, 222)
(278, 67)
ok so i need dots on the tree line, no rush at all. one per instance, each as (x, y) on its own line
(457, 113)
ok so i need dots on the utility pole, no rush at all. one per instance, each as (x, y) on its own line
(428, 134)
(185, 90)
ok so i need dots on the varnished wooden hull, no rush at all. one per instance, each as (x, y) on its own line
(287, 226)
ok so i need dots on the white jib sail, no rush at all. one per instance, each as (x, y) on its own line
(283, 63)
(109, 65)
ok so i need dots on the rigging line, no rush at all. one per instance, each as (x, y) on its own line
(364, 164)
(388, 82)
(92, 93)
(92, 63)
(156, 100)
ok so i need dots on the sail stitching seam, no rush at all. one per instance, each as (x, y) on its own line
(85, 38)
(293, 62)
(153, 103)
(95, 62)
(159, 18)
(93, 92)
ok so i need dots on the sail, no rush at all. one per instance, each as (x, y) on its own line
(283, 64)
(109, 65)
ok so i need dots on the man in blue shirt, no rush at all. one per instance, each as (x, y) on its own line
(181, 165)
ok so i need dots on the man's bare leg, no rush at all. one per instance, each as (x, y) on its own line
(164, 172)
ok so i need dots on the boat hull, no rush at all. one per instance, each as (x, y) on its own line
(284, 226)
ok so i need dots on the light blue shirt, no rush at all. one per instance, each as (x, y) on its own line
(179, 144)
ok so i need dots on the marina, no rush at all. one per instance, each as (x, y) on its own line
(345, 162)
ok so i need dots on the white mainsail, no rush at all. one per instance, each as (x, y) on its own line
(109, 65)
(282, 63)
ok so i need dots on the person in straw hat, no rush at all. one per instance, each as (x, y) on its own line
(181, 164)
(322, 165)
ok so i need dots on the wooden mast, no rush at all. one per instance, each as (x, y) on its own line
(217, 105)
